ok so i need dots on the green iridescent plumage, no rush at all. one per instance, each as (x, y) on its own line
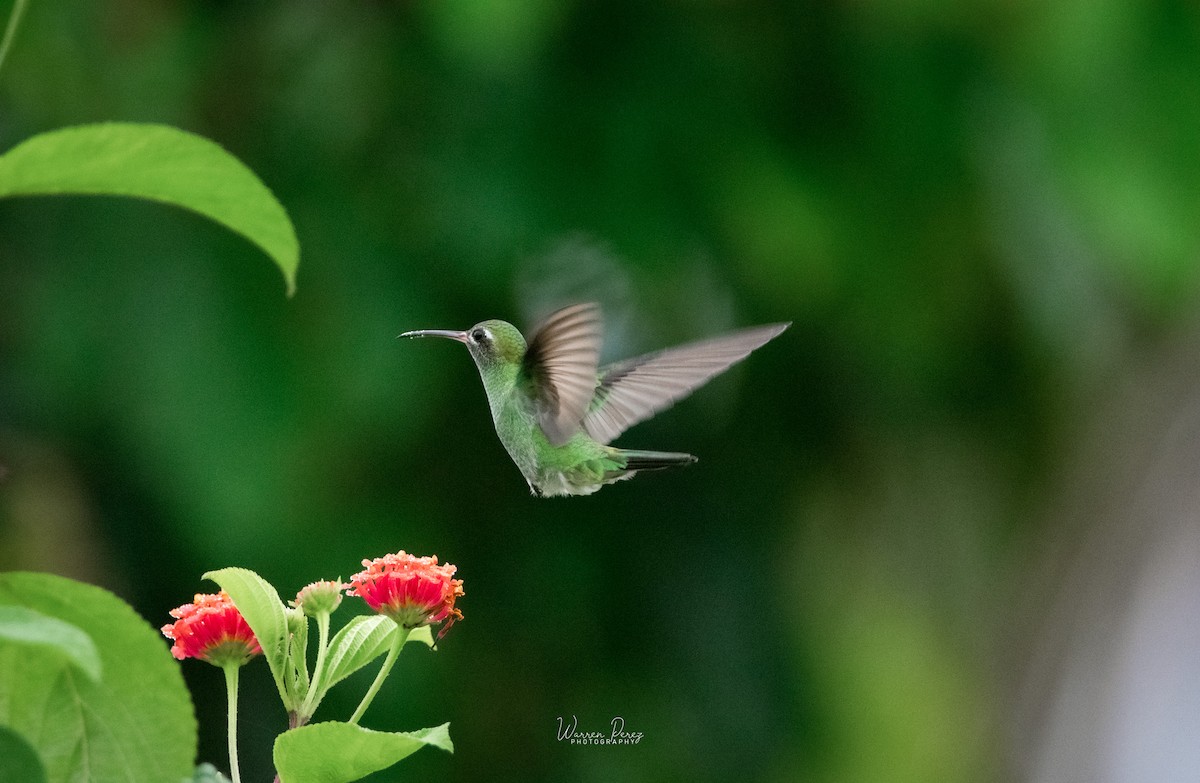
(556, 411)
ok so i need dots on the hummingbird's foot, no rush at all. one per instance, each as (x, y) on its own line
(534, 489)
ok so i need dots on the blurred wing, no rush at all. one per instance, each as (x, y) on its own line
(561, 362)
(636, 389)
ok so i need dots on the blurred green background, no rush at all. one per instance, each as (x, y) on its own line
(981, 218)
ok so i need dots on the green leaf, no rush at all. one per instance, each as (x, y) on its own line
(18, 759)
(361, 641)
(159, 163)
(135, 724)
(337, 752)
(207, 773)
(25, 626)
(258, 602)
(424, 635)
(297, 656)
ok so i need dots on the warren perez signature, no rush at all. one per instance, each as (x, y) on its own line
(568, 731)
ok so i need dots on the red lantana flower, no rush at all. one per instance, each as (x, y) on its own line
(413, 591)
(212, 629)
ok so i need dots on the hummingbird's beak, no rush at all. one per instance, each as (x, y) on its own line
(447, 333)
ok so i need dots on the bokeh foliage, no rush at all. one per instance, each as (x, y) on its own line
(973, 212)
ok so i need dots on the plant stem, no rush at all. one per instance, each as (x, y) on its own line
(316, 689)
(14, 21)
(397, 643)
(231, 687)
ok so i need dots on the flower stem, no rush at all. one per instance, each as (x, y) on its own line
(231, 688)
(397, 643)
(14, 21)
(316, 689)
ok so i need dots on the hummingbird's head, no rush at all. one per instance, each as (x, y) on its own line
(491, 343)
(494, 343)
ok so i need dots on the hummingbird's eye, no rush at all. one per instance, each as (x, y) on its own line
(479, 335)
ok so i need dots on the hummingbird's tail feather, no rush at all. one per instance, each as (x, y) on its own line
(653, 460)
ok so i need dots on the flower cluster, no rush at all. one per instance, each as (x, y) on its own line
(413, 591)
(212, 629)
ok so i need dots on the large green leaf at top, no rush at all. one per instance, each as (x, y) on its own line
(134, 724)
(338, 752)
(159, 163)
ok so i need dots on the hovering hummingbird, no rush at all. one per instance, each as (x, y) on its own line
(555, 412)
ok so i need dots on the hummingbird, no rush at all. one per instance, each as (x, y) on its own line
(555, 410)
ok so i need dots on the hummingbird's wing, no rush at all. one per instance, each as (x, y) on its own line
(561, 363)
(635, 389)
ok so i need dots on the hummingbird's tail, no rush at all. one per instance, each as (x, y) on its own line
(653, 460)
